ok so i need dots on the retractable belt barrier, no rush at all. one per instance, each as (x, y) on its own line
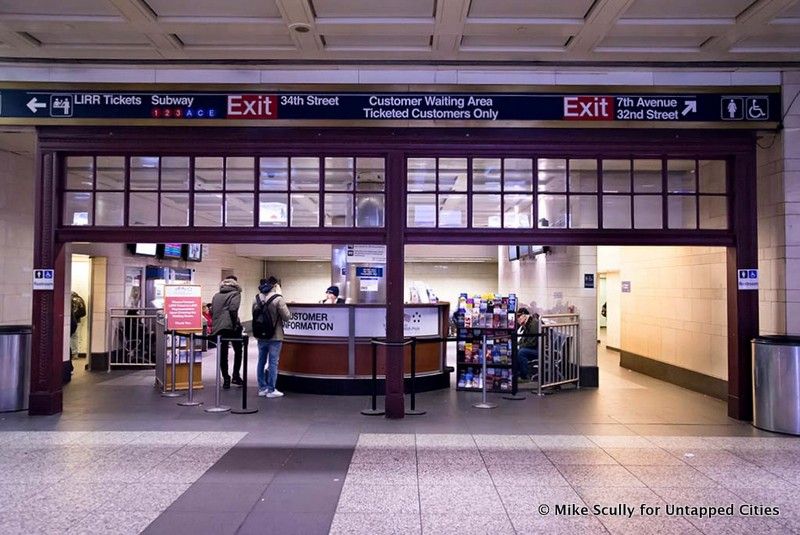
(484, 404)
(190, 401)
(374, 411)
(413, 410)
(244, 409)
(217, 375)
(172, 393)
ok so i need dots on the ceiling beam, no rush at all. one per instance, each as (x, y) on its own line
(299, 12)
(600, 20)
(752, 21)
(451, 18)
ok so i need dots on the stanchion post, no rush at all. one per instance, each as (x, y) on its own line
(217, 407)
(173, 393)
(484, 404)
(541, 359)
(374, 411)
(514, 369)
(244, 409)
(190, 402)
(413, 410)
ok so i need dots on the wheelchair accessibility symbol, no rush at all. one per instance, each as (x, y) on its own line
(757, 108)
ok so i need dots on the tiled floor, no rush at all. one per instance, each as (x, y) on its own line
(99, 481)
(120, 454)
(461, 483)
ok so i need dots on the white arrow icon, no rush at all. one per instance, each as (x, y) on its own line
(691, 106)
(34, 105)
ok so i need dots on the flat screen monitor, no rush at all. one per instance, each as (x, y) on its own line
(524, 250)
(513, 252)
(172, 250)
(143, 249)
(538, 249)
(193, 252)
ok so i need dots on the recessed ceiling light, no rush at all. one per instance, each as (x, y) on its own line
(300, 27)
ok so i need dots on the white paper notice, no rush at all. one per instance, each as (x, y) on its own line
(369, 285)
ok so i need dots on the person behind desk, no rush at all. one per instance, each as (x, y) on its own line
(527, 341)
(332, 296)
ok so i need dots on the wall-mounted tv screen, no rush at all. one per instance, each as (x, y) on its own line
(513, 252)
(193, 252)
(524, 250)
(539, 249)
(143, 249)
(172, 250)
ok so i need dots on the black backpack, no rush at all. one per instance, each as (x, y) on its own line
(263, 323)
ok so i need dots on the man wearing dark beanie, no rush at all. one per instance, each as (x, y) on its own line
(332, 296)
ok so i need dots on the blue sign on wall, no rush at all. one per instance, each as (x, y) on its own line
(369, 272)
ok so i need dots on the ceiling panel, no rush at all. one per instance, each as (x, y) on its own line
(97, 38)
(234, 39)
(215, 8)
(58, 7)
(373, 8)
(528, 9)
(512, 40)
(772, 40)
(641, 41)
(792, 11)
(426, 31)
(473, 28)
(376, 41)
(686, 9)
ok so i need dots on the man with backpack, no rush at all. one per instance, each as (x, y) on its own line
(269, 313)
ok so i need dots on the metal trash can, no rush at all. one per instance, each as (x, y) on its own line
(15, 367)
(776, 383)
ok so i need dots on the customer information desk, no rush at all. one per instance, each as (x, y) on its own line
(327, 348)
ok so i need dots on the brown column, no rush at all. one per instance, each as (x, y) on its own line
(742, 304)
(48, 306)
(395, 259)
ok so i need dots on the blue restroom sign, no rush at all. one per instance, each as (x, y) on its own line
(748, 279)
(43, 279)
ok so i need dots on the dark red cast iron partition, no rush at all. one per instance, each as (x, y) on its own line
(397, 147)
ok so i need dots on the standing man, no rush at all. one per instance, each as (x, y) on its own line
(269, 313)
(226, 323)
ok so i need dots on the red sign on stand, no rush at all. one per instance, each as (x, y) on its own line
(183, 307)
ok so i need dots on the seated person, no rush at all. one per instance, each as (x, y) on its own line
(527, 341)
(332, 296)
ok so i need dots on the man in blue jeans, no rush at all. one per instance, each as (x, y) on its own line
(269, 349)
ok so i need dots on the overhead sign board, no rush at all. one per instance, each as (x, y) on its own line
(158, 107)
(366, 254)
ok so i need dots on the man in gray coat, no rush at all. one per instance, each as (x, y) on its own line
(226, 323)
(269, 350)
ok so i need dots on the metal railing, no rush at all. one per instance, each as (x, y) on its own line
(132, 335)
(559, 350)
